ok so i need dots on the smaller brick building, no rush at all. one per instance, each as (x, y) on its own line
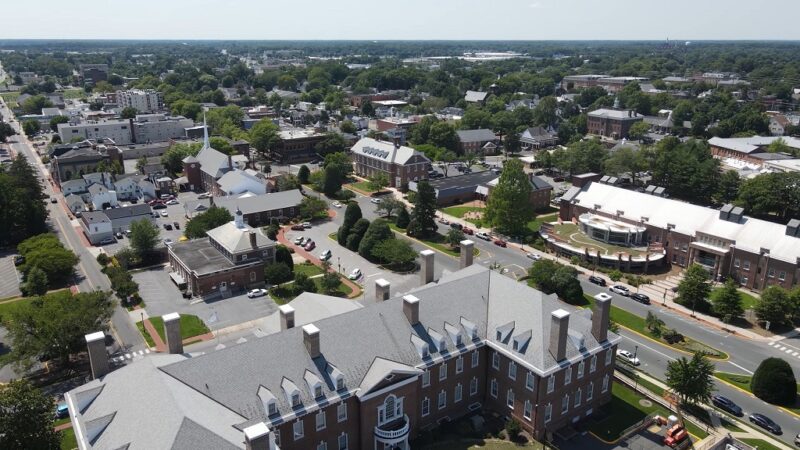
(229, 261)
(611, 122)
(399, 163)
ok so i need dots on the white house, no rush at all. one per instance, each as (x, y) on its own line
(96, 226)
(134, 187)
(102, 197)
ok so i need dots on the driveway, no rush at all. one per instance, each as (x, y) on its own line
(161, 296)
(9, 277)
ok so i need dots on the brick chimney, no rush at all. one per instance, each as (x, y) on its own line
(98, 358)
(287, 316)
(411, 309)
(426, 267)
(253, 242)
(382, 288)
(230, 162)
(559, 325)
(311, 340)
(172, 330)
(600, 316)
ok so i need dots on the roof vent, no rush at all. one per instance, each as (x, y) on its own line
(793, 228)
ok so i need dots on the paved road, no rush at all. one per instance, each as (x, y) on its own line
(89, 276)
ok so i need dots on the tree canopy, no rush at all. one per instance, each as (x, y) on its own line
(691, 379)
(508, 208)
(26, 418)
(423, 216)
(48, 254)
(207, 220)
(774, 382)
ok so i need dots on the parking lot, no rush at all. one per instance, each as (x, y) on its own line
(9, 277)
(647, 439)
(175, 213)
(161, 296)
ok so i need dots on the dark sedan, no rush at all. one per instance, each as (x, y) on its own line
(641, 298)
(765, 423)
(597, 280)
(726, 404)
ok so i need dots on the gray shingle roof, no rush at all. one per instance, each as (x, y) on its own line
(213, 162)
(479, 135)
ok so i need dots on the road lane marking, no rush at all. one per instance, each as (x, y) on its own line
(771, 344)
(640, 344)
(734, 364)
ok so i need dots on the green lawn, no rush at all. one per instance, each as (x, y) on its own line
(638, 324)
(10, 98)
(191, 326)
(73, 93)
(11, 305)
(730, 426)
(282, 293)
(571, 232)
(61, 421)
(536, 223)
(437, 242)
(459, 211)
(362, 186)
(68, 441)
(307, 268)
(761, 444)
(748, 301)
(743, 382)
(625, 410)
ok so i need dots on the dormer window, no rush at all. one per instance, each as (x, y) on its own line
(340, 384)
(272, 408)
(296, 400)
(318, 391)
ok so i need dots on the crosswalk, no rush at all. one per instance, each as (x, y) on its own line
(781, 348)
(131, 355)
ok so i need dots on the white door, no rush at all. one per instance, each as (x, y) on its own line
(223, 286)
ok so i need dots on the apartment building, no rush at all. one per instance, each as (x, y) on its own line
(369, 378)
(754, 252)
(400, 164)
(144, 101)
(94, 72)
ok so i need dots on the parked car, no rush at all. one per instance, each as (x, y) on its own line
(310, 246)
(444, 221)
(176, 225)
(204, 195)
(337, 205)
(159, 206)
(306, 225)
(468, 230)
(325, 255)
(256, 293)
(298, 227)
(53, 200)
(167, 226)
(500, 243)
(19, 260)
(765, 423)
(597, 280)
(457, 226)
(118, 235)
(641, 298)
(726, 404)
(484, 236)
(62, 411)
(355, 274)
(797, 440)
(619, 289)
(627, 356)
(167, 242)
(375, 200)
(172, 202)
(533, 256)
(106, 241)
(299, 240)
(305, 241)
(164, 214)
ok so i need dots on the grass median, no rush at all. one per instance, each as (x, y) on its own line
(638, 324)
(191, 326)
(743, 382)
(437, 242)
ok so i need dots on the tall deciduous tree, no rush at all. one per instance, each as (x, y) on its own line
(26, 418)
(774, 306)
(264, 135)
(691, 379)
(35, 282)
(54, 326)
(423, 216)
(172, 159)
(143, 237)
(48, 254)
(727, 302)
(207, 220)
(508, 207)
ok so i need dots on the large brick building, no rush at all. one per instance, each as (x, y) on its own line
(752, 150)
(229, 261)
(756, 253)
(399, 163)
(612, 123)
(371, 378)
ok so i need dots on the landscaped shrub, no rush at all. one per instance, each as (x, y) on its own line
(103, 259)
(277, 273)
(615, 275)
(774, 382)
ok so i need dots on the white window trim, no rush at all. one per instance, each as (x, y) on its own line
(551, 383)
(512, 370)
(426, 402)
(590, 391)
(548, 413)
(475, 359)
(578, 398)
(493, 389)
(530, 381)
(301, 434)
(605, 384)
(426, 378)
(496, 360)
(510, 398)
(459, 364)
(527, 410)
(443, 371)
(346, 441)
(473, 386)
(581, 369)
(439, 403)
(564, 404)
(593, 363)
(568, 376)
(324, 424)
(458, 393)
(342, 407)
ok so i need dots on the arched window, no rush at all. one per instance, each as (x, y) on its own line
(392, 408)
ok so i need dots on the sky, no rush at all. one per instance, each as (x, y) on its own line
(403, 20)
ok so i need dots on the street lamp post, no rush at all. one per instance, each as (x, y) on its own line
(339, 263)
(636, 377)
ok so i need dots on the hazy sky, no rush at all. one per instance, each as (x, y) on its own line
(409, 19)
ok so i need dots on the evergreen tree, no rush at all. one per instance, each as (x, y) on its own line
(774, 382)
(508, 209)
(144, 236)
(377, 232)
(284, 256)
(303, 174)
(691, 379)
(422, 222)
(727, 302)
(402, 218)
(351, 215)
(357, 234)
(694, 288)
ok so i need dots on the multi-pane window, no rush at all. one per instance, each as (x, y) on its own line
(529, 381)
(526, 412)
(551, 383)
(426, 378)
(496, 360)
(457, 394)
(782, 275)
(341, 412)
(589, 391)
(609, 354)
(605, 383)
(297, 429)
(548, 412)
(475, 358)
(442, 399)
(578, 395)
(322, 446)
(568, 376)
(510, 398)
(426, 406)
(320, 419)
(443, 371)
(459, 364)
(593, 363)
(473, 386)
(493, 389)
(581, 366)
(565, 404)
(512, 370)
(343, 441)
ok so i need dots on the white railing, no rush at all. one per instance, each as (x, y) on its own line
(394, 434)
